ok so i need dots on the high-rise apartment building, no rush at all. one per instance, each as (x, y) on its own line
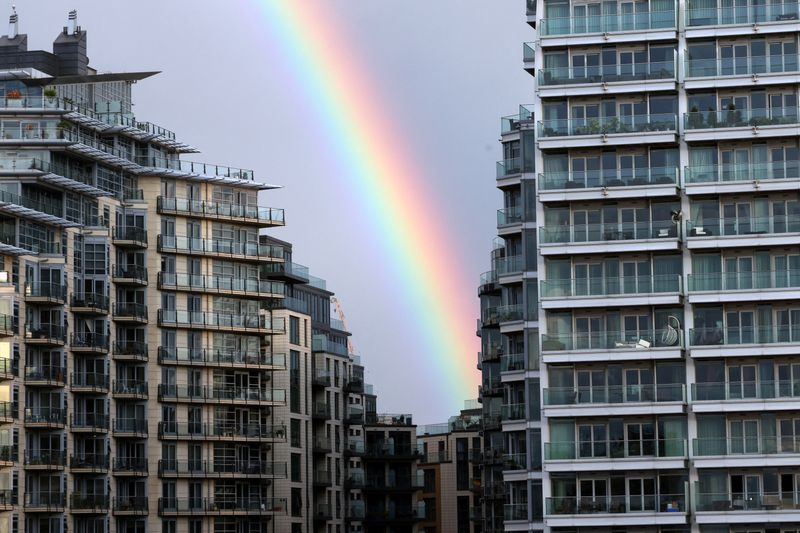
(165, 367)
(659, 164)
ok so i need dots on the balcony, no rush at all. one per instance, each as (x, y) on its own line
(592, 456)
(130, 275)
(761, 451)
(608, 184)
(751, 507)
(609, 29)
(232, 395)
(45, 418)
(288, 271)
(779, 230)
(46, 376)
(515, 461)
(44, 502)
(515, 123)
(129, 237)
(89, 342)
(607, 131)
(321, 343)
(263, 507)
(354, 415)
(221, 431)
(219, 469)
(529, 57)
(749, 70)
(129, 389)
(387, 449)
(610, 79)
(220, 248)
(322, 445)
(259, 323)
(764, 286)
(221, 285)
(84, 422)
(90, 382)
(609, 238)
(247, 214)
(8, 326)
(515, 512)
(641, 399)
(130, 505)
(647, 509)
(611, 292)
(130, 466)
(512, 412)
(612, 346)
(510, 168)
(510, 216)
(9, 411)
(322, 479)
(747, 18)
(323, 512)
(130, 312)
(45, 460)
(745, 396)
(45, 293)
(89, 503)
(89, 463)
(129, 351)
(89, 303)
(491, 386)
(221, 358)
(511, 265)
(158, 165)
(320, 411)
(744, 341)
(393, 483)
(321, 378)
(742, 178)
(130, 427)
(740, 124)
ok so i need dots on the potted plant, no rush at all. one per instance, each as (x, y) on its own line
(712, 117)
(695, 119)
(50, 96)
(14, 98)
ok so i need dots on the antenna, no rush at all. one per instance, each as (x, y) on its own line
(73, 21)
(13, 22)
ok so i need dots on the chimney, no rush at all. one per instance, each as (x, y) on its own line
(13, 23)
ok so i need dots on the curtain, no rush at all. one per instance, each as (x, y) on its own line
(556, 170)
(764, 324)
(701, 164)
(706, 269)
(556, 16)
(667, 272)
(711, 438)
(662, 14)
(763, 274)
(760, 223)
(672, 433)
(562, 439)
(702, 12)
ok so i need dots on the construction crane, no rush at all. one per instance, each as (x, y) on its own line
(340, 312)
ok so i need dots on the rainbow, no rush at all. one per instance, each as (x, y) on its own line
(389, 187)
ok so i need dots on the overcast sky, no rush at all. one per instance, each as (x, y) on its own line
(447, 70)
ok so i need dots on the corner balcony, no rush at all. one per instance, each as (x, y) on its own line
(221, 358)
(607, 131)
(255, 323)
(248, 287)
(608, 79)
(743, 286)
(509, 171)
(631, 400)
(529, 57)
(508, 266)
(746, 18)
(593, 456)
(130, 312)
(45, 418)
(89, 303)
(745, 396)
(249, 251)
(611, 292)
(520, 121)
(608, 184)
(747, 508)
(130, 275)
(509, 220)
(129, 237)
(633, 510)
(609, 29)
(124, 350)
(45, 460)
(742, 233)
(743, 341)
(754, 71)
(741, 124)
(746, 452)
(221, 431)
(742, 178)
(581, 239)
(245, 214)
(45, 335)
(45, 293)
(612, 346)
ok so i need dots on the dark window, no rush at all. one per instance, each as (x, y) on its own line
(294, 432)
(296, 467)
(294, 330)
(297, 502)
(462, 510)
(462, 464)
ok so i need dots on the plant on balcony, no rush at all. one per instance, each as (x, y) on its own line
(50, 95)
(712, 117)
(612, 126)
(695, 119)
(14, 94)
(733, 117)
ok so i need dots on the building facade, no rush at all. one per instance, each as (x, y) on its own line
(663, 184)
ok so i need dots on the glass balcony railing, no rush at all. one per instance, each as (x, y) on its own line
(622, 286)
(653, 503)
(609, 23)
(746, 445)
(321, 343)
(742, 66)
(516, 362)
(509, 216)
(509, 167)
(666, 122)
(642, 393)
(744, 281)
(625, 231)
(530, 8)
(631, 72)
(508, 265)
(776, 170)
(744, 335)
(49, 373)
(553, 181)
(638, 449)
(745, 390)
(612, 340)
(528, 52)
(220, 320)
(222, 429)
(740, 118)
(219, 246)
(747, 12)
(219, 283)
(219, 357)
(515, 511)
(221, 209)
(513, 122)
(129, 387)
(192, 167)
(514, 411)
(750, 501)
(743, 226)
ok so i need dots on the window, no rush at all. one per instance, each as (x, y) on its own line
(294, 330)
(294, 433)
(297, 502)
(295, 467)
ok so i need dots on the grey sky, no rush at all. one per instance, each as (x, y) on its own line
(447, 69)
